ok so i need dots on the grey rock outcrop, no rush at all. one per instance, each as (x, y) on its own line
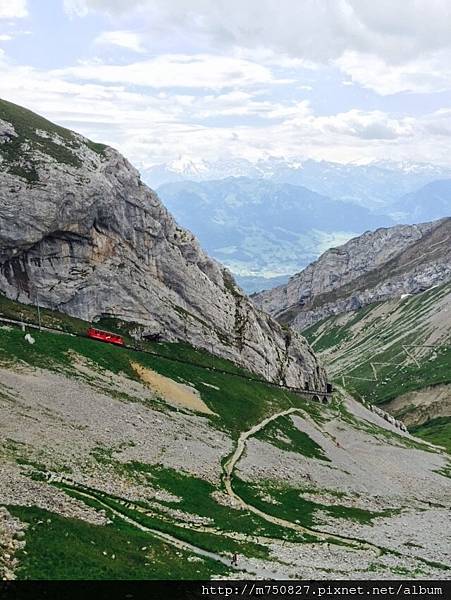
(81, 233)
(375, 266)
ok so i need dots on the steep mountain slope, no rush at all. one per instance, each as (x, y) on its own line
(383, 344)
(397, 353)
(134, 481)
(260, 228)
(432, 201)
(376, 266)
(81, 233)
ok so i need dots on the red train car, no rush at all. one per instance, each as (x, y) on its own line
(105, 336)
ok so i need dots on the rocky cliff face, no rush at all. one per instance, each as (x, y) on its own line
(379, 265)
(82, 234)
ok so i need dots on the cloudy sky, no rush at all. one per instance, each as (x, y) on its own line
(341, 80)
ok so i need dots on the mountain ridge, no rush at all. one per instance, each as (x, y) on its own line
(376, 310)
(376, 184)
(374, 266)
(432, 201)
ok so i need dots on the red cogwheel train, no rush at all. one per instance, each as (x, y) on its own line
(105, 336)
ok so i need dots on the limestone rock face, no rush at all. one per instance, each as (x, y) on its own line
(375, 266)
(81, 233)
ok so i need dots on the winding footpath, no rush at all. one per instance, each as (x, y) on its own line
(229, 467)
(227, 478)
(247, 566)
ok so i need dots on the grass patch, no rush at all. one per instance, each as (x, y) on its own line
(28, 314)
(62, 548)
(445, 471)
(196, 497)
(212, 541)
(287, 503)
(436, 431)
(10, 309)
(284, 434)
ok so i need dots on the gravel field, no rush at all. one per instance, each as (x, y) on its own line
(85, 427)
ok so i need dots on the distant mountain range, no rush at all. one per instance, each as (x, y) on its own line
(269, 219)
(432, 201)
(372, 185)
(263, 230)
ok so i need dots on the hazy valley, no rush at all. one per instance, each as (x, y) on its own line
(269, 223)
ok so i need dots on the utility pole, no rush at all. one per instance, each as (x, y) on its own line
(37, 291)
(39, 311)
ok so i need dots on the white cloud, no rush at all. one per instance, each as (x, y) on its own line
(229, 105)
(424, 75)
(74, 8)
(177, 70)
(83, 7)
(13, 9)
(311, 29)
(439, 123)
(386, 45)
(372, 125)
(124, 39)
(207, 81)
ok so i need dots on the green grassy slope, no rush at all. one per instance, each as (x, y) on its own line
(387, 349)
(61, 322)
(237, 402)
(188, 507)
(62, 548)
(437, 431)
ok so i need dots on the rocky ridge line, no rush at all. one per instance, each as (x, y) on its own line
(375, 266)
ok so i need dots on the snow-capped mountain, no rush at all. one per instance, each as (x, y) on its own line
(374, 185)
(185, 167)
(269, 219)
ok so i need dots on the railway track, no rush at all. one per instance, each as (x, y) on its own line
(319, 395)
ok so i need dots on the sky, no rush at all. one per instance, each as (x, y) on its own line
(341, 80)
